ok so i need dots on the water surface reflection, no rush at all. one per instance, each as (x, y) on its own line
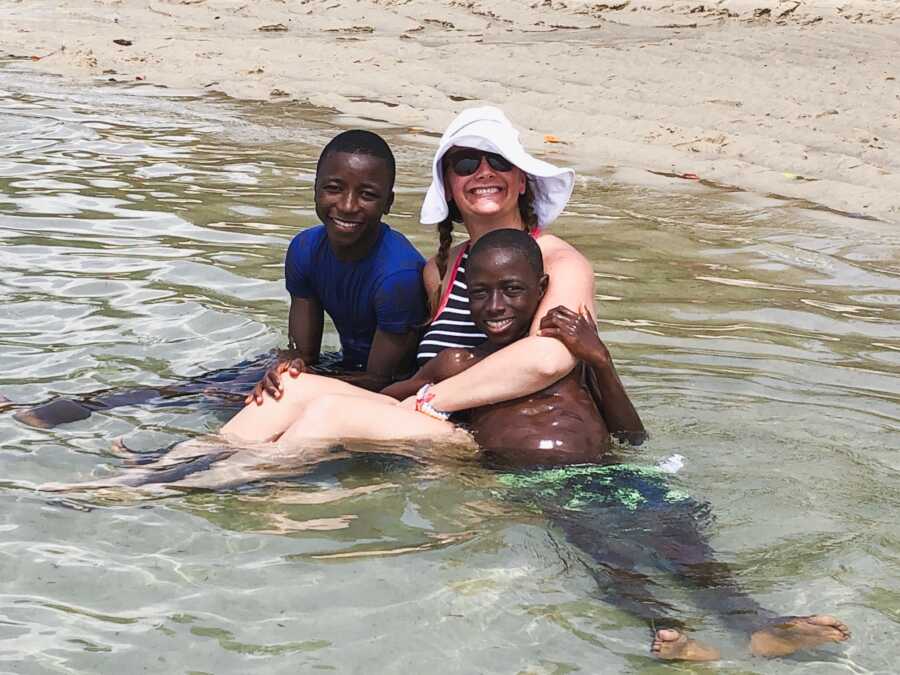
(143, 236)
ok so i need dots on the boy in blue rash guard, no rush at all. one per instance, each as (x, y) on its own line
(366, 276)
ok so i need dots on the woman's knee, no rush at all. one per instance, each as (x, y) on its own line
(325, 406)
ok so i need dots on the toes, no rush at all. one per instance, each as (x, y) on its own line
(664, 639)
(839, 629)
(667, 635)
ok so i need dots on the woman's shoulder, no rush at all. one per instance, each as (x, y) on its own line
(431, 275)
(553, 248)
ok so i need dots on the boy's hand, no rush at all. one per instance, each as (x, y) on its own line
(271, 382)
(577, 332)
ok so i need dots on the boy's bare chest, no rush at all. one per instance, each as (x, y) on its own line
(560, 422)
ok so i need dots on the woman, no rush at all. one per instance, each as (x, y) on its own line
(483, 178)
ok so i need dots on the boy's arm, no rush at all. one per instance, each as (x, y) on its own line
(448, 363)
(306, 321)
(578, 333)
(390, 354)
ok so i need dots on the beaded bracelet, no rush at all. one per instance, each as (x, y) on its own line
(423, 404)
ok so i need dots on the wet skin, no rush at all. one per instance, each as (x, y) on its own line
(557, 425)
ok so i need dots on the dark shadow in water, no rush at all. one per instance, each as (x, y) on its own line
(221, 391)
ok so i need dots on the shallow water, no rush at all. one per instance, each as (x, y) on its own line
(143, 234)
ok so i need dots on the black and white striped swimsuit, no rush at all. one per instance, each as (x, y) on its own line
(452, 325)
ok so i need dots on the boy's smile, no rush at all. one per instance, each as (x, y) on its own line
(504, 294)
(353, 192)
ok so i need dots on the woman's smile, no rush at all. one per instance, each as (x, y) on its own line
(486, 190)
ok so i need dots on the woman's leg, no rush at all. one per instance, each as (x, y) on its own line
(339, 417)
(266, 422)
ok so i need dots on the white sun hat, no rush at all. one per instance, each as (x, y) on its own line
(488, 129)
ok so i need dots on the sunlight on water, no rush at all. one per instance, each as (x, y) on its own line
(143, 236)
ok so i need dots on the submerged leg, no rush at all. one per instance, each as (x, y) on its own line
(165, 470)
(225, 384)
(664, 528)
(683, 545)
(53, 413)
(615, 559)
(64, 410)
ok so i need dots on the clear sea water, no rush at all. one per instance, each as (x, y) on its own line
(142, 234)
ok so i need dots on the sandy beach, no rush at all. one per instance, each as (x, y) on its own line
(793, 98)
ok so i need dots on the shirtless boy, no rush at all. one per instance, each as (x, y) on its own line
(569, 422)
(365, 275)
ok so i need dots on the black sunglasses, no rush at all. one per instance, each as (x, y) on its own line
(466, 162)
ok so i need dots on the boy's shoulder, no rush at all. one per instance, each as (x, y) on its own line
(452, 361)
(395, 253)
(308, 239)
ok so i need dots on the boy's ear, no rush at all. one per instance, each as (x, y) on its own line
(388, 204)
(543, 282)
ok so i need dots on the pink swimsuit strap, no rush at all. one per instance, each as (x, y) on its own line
(449, 288)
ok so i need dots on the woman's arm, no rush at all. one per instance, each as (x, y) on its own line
(448, 363)
(533, 363)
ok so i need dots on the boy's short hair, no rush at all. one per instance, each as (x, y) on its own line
(361, 142)
(506, 239)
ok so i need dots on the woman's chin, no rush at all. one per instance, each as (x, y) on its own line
(488, 209)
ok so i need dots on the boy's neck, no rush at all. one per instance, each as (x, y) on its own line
(358, 250)
(487, 347)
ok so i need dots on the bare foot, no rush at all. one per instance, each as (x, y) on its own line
(790, 633)
(673, 645)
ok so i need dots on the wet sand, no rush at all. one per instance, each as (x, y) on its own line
(792, 98)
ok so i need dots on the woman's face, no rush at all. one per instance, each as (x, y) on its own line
(489, 192)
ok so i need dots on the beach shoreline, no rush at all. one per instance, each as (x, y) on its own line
(789, 98)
